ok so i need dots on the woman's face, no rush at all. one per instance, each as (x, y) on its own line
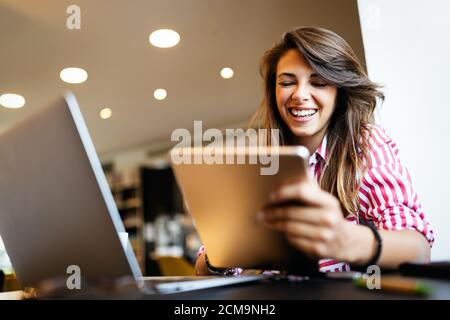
(305, 101)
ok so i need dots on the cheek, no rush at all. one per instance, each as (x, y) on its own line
(327, 101)
(281, 98)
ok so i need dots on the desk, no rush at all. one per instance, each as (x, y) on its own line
(313, 289)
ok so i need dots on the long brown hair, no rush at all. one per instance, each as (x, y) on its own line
(333, 59)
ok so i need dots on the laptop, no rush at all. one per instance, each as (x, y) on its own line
(57, 212)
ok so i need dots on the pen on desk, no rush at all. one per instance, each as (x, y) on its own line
(397, 284)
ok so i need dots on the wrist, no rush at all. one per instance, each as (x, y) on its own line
(222, 271)
(213, 270)
(201, 269)
(363, 245)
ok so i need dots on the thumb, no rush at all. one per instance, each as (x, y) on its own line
(306, 193)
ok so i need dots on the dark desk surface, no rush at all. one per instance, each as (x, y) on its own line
(331, 289)
(312, 289)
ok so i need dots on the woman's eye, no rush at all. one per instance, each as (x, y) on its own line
(319, 85)
(286, 84)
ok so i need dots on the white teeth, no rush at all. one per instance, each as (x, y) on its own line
(303, 113)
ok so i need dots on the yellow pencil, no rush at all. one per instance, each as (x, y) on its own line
(398, 284)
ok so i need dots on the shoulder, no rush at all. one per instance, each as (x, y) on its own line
(382, 148)
(378, 135)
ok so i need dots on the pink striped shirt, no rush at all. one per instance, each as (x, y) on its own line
(386, 194)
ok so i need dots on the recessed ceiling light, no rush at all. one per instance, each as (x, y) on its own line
(226, 73)
(164, 38)
(160, 94)
(12, 100)
(106, 113)
(73, 75)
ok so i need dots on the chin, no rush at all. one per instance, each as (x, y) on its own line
(303, 132)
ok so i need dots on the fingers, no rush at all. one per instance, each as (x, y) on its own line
(299, 234)
(310, 218)
(309, 247)
(306, 193)
(311, 230)
(306, 215)
(293, 229)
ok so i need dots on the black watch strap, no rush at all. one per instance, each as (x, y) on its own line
(379, 244)
(377, 254)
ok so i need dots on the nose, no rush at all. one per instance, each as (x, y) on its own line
(301, 93)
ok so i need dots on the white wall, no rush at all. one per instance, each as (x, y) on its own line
(407, 49)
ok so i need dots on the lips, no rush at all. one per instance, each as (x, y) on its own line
(302, 113)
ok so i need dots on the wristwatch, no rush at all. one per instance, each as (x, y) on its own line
(377, 254)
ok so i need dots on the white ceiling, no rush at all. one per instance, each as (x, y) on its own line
(124, 69)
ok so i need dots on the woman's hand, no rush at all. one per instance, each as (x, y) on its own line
(313, 222)
(201, 269)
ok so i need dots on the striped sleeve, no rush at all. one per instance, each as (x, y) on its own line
(386, 192)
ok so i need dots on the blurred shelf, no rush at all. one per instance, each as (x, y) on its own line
(133, 222)
(125, 185)
(123, 189)
(129, 204)
(142, 197)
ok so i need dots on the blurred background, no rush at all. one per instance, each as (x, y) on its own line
(131, 124)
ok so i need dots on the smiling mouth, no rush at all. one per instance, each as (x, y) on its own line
(302, 113)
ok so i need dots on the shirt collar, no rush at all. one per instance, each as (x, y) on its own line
(322, 148)
(320, 154)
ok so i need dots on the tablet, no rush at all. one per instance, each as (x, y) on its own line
(224, 194)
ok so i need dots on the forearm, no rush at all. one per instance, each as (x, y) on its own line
(397, 247)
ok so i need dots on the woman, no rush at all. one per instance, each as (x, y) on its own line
(362, 208)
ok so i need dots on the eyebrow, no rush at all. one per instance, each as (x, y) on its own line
(293, 75)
